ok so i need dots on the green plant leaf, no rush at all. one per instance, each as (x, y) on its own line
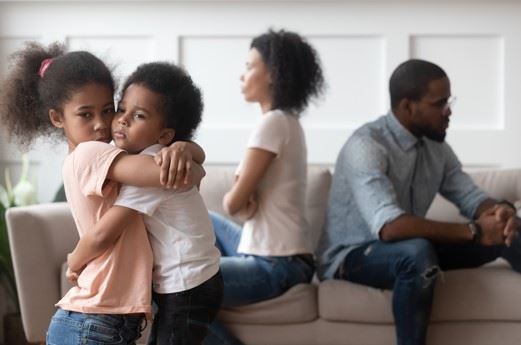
(4, 198)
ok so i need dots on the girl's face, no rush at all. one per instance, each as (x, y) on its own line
(87, 115)
(256, 80)
(139, 121)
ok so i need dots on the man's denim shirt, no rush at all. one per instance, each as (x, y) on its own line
(375, 182)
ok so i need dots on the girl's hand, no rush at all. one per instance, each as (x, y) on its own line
(176, 165)
(71, 274)
(72, 277)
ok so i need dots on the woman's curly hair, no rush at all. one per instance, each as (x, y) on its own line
(294, 67)
(181, 99)
(26, 97)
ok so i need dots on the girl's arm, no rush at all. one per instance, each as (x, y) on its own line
(255, 165)
(176, 162)
(142, 171)
(105, 233)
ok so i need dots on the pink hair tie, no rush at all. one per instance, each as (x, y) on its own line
(43, 67)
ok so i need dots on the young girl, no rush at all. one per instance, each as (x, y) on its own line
(75, 92)
(272, 252)
(160, 103)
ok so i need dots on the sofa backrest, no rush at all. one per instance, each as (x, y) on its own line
(499, 184)
(219, 180)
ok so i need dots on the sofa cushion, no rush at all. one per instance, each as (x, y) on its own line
(219, 179)
(215, 184)
(460, 295)
(298, 304)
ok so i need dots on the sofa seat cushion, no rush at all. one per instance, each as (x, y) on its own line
(298, 304)
(489, 293)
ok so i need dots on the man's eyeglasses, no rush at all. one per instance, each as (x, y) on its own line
(445, 105)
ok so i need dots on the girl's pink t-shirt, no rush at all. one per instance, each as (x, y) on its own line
(120, 280)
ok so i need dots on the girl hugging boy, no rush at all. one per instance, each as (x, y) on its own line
(49, 91)
(159, 103)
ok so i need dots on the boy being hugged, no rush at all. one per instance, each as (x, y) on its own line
(160, 103)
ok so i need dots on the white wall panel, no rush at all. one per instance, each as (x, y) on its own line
(215, 64)
(360, 44)
(354, 69)
(475, 66)
(123, 53)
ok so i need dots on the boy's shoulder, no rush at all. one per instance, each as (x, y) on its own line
(152, 150)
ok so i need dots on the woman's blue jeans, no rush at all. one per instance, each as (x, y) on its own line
(72, 328)
(410, 269)
(250, 278)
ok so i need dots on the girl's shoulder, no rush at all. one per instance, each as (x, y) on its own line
(90, 152)
(94, 146)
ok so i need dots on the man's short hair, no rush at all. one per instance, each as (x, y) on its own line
(411, 80)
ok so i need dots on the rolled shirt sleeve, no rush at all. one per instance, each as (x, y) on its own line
(91, 164)
(459, 188)
(271, 134)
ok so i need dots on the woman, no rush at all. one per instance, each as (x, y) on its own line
(272, 252)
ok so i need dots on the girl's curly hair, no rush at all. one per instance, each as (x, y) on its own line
(294, 66)
(26, 97)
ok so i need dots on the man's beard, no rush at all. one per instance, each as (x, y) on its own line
(435, 135)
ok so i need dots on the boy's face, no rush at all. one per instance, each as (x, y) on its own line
(87, 115)
(139, 121)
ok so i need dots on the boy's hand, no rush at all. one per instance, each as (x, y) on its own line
(176, 165)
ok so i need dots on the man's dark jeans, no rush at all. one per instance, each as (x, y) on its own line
(410, 268)
(183, 317)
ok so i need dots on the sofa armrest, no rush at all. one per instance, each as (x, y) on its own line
(40, 237)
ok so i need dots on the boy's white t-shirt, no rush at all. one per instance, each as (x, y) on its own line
(279, 227)
(180, 233)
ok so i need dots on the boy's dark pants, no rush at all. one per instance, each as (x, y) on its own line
(183, 317)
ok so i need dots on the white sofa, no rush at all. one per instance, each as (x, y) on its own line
(476, 307)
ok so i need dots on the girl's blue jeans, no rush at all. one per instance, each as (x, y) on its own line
(73, 328)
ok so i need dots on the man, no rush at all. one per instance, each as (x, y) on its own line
(386, 177)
